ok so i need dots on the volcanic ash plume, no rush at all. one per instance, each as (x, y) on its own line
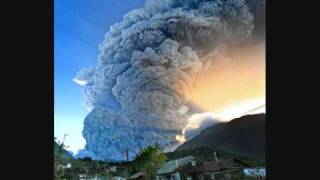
(136, 93)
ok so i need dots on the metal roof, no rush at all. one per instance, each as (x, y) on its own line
(220, 165)
(139, 174)
(172, 166)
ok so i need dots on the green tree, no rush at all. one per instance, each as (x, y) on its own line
(149, 159)
(61, 144)
(60, 157)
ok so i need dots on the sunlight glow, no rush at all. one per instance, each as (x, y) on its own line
(234, 86)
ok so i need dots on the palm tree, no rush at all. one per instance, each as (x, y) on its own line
(149, 159)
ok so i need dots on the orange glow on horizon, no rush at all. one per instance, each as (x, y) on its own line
(233, 85)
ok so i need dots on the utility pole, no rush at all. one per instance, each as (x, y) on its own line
(126, 153)
(182, 123)
(215, 156)
(127, 158)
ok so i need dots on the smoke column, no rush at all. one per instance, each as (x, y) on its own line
(137, 92)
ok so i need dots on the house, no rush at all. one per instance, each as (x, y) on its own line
(258, 173)
(171, 169)
(62, 167)
(138, 176)
(83, 176)
(119, 178)
(113, 169)
(219, 169)
(191, 168)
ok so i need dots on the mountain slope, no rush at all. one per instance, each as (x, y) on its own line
(243, 136)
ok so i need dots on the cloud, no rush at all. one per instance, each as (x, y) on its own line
(146, 63)
(84, 75)
(80, 82)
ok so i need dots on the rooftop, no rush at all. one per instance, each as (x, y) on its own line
(172, 166)
(221, 165)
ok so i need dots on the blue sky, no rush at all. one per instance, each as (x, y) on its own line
(79, 27)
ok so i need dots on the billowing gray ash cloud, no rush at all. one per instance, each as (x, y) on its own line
(136, 91)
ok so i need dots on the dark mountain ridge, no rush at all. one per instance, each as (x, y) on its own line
(244, 136)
